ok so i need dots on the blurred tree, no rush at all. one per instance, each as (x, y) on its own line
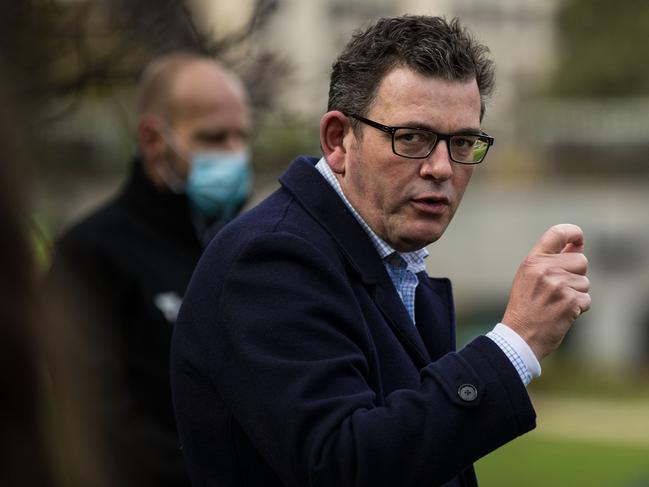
(60, 50)
(72, 66)
(25, 458)
(602, 48)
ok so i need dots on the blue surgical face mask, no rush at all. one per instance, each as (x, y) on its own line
(218, 182)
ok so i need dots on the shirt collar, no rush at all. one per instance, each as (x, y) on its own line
(413, 260)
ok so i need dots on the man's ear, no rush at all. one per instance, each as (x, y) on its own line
(149, 140)
(334, 127)
(151, 145)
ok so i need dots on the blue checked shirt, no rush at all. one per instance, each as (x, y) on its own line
(402, 267)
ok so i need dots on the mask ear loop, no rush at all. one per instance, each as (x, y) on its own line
(170, 178)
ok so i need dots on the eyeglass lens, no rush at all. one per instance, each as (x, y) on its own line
(420, 143)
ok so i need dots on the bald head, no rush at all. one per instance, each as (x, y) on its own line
(187, 104)
(172, 85)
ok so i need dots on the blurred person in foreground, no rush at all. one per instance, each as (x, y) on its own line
(129, 263)
(312, 348)
(26, 457)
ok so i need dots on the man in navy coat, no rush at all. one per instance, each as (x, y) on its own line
(312, 349)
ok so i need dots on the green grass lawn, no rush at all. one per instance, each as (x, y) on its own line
(592, 431)
(532, 461)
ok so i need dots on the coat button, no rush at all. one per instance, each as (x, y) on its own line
(467, 392)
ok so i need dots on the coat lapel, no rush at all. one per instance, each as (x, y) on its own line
(434, 314)
(308, 186)
(390, 304)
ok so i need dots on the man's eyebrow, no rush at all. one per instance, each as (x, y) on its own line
(208, 134)
(427, 126)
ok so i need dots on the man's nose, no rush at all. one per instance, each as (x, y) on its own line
(438, 165)
(235, 142)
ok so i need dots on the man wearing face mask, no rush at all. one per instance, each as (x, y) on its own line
(130, 261)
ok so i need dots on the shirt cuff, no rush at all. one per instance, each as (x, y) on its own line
(517, 351)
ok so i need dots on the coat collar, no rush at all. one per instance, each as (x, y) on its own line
(318, 198)
(168, 212)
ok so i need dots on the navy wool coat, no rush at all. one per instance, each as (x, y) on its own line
(295, 363)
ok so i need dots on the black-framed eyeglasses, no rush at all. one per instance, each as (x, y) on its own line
(417, 143)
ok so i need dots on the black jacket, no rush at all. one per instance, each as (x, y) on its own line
(295, 363)
(129, 263)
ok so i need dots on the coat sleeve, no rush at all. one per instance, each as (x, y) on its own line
(292, 357)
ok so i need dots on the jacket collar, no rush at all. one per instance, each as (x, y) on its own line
(167, 211)
(320, 200)
(161, 208)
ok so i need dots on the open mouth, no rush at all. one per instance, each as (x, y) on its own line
(433, 204)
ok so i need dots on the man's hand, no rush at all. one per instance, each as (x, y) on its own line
(550, 289)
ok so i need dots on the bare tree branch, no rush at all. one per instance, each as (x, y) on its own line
(59, 51)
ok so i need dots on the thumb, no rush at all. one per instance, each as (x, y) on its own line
(574, 247)
(560, 238)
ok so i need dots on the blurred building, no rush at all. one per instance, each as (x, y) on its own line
(310, 34)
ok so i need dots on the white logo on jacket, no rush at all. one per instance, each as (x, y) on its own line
(169, 304)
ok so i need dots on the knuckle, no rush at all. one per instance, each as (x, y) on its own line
(559, 231)
(571, 295)
(574, 313)
(546, 271)
(583, 262)
(555, 279)
(577, 261)
(531, 261)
